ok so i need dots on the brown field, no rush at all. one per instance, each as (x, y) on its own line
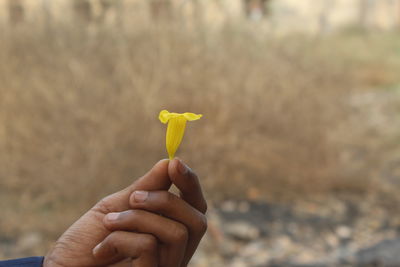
(78, 116)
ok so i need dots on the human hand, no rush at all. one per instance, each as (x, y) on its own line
(178, 223)
(74, 247)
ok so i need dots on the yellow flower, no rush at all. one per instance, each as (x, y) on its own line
(176, 128)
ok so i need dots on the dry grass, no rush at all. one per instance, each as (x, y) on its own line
(78, 116)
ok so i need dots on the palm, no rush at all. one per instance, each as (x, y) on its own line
(74, 247)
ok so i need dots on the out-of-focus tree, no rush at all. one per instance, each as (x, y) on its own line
(16, 11)
(97, 11)
(83, 10)
(161, 9)
(364, 11)
(324, 23)
(256, 9)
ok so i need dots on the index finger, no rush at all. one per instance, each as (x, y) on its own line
(188, 183)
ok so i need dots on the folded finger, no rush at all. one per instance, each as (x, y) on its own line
(175, 208)
(188, 183)
(172, 234)
(119, 245)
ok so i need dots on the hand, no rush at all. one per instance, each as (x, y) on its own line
(74, 247)
(178, 222)
(139, 248)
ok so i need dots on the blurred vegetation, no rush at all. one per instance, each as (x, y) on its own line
(78, 114)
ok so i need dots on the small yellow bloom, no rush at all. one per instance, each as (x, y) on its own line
(176, 128)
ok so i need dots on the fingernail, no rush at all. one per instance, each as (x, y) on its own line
(96, 249)
(140, 196)
(182, 168)
(113, 216)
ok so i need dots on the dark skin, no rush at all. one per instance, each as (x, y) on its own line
(142, 225)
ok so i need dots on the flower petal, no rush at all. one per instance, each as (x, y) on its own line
(192, 116)
(175, 132)
(176, 128)
(164, 116)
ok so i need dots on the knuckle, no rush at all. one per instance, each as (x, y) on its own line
(169, 197)
(165, 201)
(180, 234)
(104, 205)
(149, 243)
(204, 207)
(113, 239)
(202, 225)
(193, 178)
(129, 219)
(194, 175)
(132, 214)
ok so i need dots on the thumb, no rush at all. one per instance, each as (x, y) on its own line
(156, 179)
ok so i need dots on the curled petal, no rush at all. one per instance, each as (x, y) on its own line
(192, 116)
(164, 116)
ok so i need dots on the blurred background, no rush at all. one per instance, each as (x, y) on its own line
(298, 150)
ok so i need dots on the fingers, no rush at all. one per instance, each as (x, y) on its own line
(175, 208)
(188, 184)
(188, 210)
(141, 248)
(173, 235)
(190, 191)
(156, 179)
